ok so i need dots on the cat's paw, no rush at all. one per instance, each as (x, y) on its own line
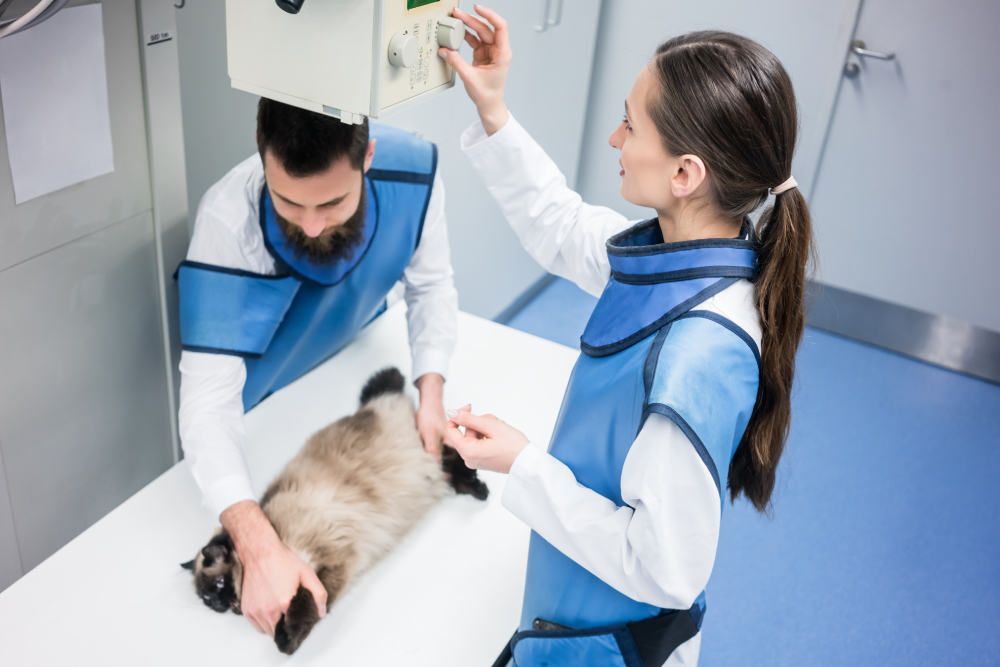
(474, 487)
(298, 621)
(462, 478)
(281, 638)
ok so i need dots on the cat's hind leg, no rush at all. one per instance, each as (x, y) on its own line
(298, 621)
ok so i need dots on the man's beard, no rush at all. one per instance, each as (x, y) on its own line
(331, 246)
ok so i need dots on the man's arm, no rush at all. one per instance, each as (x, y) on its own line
(430, 416)
(432, 316)
(271, 572)
(211, 426)
(211, 415)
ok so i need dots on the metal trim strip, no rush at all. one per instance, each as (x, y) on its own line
(935, 339)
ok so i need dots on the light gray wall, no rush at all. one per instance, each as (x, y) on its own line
(491, 267)
(810, 37)
(219, 121)
(10, 558)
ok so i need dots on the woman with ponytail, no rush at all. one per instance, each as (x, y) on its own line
(682, 393)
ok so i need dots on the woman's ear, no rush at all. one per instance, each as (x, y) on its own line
(689, 174)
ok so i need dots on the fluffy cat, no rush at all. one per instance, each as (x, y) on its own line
(351, 493)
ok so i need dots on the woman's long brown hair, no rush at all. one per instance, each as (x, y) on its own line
(729, 101)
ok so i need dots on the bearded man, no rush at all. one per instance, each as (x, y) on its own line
(293, 252)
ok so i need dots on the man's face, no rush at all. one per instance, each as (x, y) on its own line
(316, 204)
(322, 216)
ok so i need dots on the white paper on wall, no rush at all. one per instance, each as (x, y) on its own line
(54, 91)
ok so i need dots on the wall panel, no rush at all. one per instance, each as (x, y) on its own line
(83, 409)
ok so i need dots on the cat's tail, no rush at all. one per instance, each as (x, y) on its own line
(386, 381)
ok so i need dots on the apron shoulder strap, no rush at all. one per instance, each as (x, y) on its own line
(702, 373)
(229, 311)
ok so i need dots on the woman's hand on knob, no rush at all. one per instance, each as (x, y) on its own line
(485, 78)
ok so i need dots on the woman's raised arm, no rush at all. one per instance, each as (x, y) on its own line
(486, 77)
(564, 235)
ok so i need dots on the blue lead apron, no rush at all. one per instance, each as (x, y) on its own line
(287, 324)
(644, 351)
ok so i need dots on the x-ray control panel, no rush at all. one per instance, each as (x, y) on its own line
(345, 58)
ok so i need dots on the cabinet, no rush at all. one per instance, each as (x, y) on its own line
(83, 420)
(85, 417)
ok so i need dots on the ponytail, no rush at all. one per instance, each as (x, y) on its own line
(729, 101)
(784, 244)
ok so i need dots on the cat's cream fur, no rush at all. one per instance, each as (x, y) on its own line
(351, 493)
(355, 488)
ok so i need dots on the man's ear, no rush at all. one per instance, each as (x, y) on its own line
(689, 175)
(369, 155)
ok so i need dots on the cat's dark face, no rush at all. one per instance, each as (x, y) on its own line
(218, 574)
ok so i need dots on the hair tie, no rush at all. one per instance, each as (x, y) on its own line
(787, 185)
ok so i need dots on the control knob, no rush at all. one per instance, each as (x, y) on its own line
(403, 50)
(451, 32)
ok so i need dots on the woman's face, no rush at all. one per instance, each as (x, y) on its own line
(646, 167)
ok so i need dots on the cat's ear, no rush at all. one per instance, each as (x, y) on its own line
(214, 552)
(188, 565)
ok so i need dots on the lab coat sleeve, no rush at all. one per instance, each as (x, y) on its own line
(660, 549)
(211, 406)
(431, 299)
(566, 236)
(211, 427)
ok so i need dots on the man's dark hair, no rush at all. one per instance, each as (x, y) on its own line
(306, 143)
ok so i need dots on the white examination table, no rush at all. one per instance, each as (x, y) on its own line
(449, 595)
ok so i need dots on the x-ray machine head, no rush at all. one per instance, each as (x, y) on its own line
(344, 58)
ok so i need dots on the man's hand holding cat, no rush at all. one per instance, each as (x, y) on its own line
(430, 416)
(272, 574)
(488, 443)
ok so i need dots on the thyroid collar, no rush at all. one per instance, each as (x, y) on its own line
(301, 267)
(653, 283)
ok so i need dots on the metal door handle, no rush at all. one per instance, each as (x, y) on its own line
(858, 48)
(546, 21)
(545, 18)
(558, 18)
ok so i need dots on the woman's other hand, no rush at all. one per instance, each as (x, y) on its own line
(485, 78)
(488, 442)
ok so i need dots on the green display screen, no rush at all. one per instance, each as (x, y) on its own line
(413, 4)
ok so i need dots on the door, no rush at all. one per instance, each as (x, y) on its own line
(547, 36)
(902, 203)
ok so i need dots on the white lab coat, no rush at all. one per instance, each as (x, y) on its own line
(227, 233)
(661, 552)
